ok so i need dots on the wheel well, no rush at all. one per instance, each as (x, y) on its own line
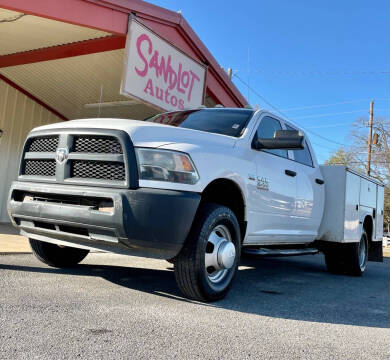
(375, 251)
(369, 227)
(227, 193)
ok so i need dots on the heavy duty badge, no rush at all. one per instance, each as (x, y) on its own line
(262, 183)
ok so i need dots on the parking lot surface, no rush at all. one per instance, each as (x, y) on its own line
(118, 307)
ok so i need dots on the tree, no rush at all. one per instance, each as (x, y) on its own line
(341, 157)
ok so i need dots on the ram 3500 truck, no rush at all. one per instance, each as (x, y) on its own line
(195, 187)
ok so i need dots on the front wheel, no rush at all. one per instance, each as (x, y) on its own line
(208, 262)
(57, 256)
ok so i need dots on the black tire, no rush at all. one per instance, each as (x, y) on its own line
(345, 258)
(333, 263)
(190, 272)
(57, 256)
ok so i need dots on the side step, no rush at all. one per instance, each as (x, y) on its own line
(280, 252)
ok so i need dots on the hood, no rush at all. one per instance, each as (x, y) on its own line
(146, 134)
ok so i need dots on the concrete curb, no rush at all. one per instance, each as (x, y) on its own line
(15, 253)
(4, 253)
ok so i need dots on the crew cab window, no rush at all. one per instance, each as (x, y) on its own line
(302, 156)
(266, 130)
(229, 122)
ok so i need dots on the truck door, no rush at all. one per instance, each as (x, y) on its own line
(310, 193)
(274, 195)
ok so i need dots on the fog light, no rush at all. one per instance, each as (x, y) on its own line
(28, 198)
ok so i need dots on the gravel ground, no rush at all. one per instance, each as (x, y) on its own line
(116, 307)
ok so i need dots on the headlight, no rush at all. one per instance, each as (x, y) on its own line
(165, 165)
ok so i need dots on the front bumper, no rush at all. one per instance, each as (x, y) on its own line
(143, 222)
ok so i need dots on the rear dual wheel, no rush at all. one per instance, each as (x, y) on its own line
(208, 262)
(348, 258)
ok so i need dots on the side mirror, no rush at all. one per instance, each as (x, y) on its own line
(283, 139)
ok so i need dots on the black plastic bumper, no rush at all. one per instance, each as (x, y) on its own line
(144, 222)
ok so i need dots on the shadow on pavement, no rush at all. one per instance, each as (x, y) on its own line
(297, 288)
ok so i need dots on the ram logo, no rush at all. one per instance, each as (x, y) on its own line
(62, 155)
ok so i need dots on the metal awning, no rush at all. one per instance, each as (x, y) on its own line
(75, 86)
(20, 32)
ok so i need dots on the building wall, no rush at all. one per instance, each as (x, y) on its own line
(18, 115)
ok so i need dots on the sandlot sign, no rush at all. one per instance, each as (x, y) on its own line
(158, 73)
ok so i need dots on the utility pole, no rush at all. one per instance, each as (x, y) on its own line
(370, 137)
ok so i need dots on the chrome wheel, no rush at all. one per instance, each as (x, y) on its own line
(220, 254)
(207, 264)
(362, 253)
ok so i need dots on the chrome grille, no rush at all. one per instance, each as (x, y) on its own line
(43, 144)
(40, 167)
(97, 144)
(98, 170)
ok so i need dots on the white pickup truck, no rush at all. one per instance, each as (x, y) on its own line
(196, 187)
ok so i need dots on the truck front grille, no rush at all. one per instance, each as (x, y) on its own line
(40, 167)
(43, 144)
(98, 158)
(98, 170)
(97, 144)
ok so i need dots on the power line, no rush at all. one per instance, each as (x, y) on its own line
(256, 93)
(276, 109)
(324, 146)
(331, 114)
(327, 105)
(320, 73)
(328, 126)
(362, 162)
(323, 137)
(327, 114)
(314, 72)
(344, 124)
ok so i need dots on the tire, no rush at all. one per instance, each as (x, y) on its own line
(333, 263)
(214, 227)
(358, 255)
(348, 259)
(56, 256)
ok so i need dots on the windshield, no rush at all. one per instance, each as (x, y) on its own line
(229, 122)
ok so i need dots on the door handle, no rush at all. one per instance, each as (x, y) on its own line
(320, 181)
(290, 173)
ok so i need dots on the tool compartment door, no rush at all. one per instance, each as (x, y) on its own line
(368, 193)
(379, 213)
(351, 217)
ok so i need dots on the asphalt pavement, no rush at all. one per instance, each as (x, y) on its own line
(118, 307)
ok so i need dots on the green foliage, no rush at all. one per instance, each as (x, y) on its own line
(340, 157)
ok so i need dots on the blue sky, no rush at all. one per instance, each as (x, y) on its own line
(302, 53)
